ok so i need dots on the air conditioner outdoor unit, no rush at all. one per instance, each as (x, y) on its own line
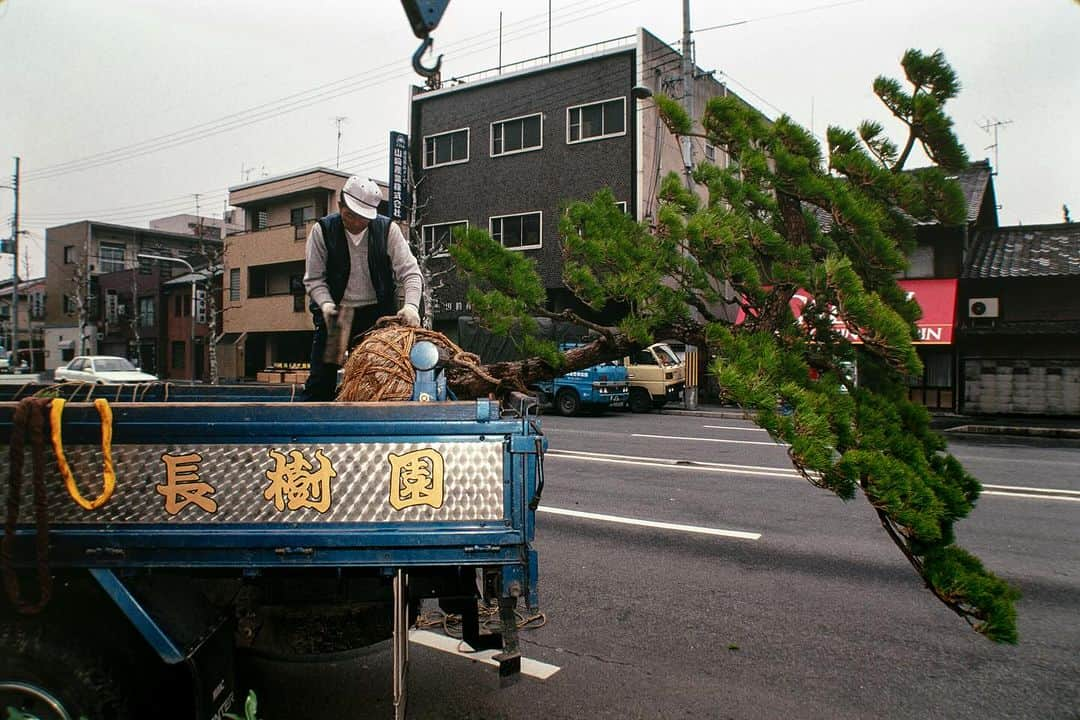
(982, 307)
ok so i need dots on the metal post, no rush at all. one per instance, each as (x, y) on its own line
(185, 263)
(688, 93)
(15, 275)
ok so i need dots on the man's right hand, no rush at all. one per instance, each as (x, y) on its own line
(329, 310)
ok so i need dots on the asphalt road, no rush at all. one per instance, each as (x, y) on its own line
(820, 616)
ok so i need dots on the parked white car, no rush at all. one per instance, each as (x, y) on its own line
(102, 369)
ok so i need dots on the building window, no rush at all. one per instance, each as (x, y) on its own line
(299, 218)
(710, 153)
(622, 205)
(446, 148)
(516, 135)
(517, 232)
(920, 263)
(596, 121)
(69, 254)
(146, 312)
(260, 219)
(234, 285)
(437, 237)
(181, 305)
(112, 258)
(69, 305)
(178, 354)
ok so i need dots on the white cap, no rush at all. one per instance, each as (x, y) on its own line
(362, 196)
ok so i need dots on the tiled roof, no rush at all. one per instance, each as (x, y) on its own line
(974, 181)
(1025, 251)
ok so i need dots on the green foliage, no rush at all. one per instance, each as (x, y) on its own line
(251, 707)
(790, 228)
(674, 115)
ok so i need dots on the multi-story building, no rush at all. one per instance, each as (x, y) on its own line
(266, 322)
(505, 149)
(189, 224)
(933, 278)
(96, 284)
(26, 336)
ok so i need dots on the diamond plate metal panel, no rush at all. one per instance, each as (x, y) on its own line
(260, 484)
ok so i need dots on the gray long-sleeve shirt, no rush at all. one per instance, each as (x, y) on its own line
(360, 291)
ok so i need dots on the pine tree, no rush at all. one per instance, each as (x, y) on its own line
(783, 220)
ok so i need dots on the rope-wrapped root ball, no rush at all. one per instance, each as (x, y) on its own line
(379, 367)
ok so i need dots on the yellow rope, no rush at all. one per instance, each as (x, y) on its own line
(109, 473)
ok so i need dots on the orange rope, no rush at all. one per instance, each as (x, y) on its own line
(109, 472)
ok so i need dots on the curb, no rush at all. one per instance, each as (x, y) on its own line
(1015, 430)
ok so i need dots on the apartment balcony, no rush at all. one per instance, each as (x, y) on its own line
(278, 243)
(274, 313)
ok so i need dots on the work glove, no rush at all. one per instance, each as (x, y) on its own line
(329, 310)
(409, 315)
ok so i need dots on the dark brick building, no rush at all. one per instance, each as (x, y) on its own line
(504, 150)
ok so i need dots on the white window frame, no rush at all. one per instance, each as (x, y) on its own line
(623, 205)
(491, 141)
(468, 147)
(423, 231)
(710, 150)
(603, 136)
(491, 228)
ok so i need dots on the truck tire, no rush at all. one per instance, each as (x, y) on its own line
(640, 400)
(567, 402)
(51, 676)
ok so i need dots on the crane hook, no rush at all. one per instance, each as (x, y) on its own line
(431, 73)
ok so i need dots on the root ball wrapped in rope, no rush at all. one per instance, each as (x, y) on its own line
(378, 368)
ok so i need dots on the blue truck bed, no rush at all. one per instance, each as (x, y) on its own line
(437, 494)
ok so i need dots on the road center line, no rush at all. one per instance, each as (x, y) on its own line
(716, 440)
(650, 523)
(676, 464)
(1024, 488)
(532, 668)
(1031, 495)
(734, 427)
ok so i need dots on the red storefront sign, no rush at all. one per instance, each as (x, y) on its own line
(936, 297)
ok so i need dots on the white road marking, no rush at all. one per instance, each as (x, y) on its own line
(1029, 495)
(676, 464)
(715, 440)
(765, 471)
(734, 427)
(651, 523)
(1025, 488)
(532, 668)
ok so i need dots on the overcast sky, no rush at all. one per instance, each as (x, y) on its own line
(124, 110)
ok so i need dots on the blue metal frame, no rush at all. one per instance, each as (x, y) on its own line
(144, 623)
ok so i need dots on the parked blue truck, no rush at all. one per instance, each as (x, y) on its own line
(153, 531)
(600, 387)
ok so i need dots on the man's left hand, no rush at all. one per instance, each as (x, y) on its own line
(409, 315)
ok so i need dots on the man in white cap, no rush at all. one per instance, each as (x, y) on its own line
(356, 258)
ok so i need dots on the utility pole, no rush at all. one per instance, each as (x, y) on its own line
(339, 119)
(688, 93)
(15, 270)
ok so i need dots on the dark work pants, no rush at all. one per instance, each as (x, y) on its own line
(322, 382)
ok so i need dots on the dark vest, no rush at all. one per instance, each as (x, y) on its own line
(338, 262)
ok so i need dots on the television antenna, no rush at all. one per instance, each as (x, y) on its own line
(992, 126)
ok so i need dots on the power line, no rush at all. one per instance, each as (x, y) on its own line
(270, 109)
(762, 18)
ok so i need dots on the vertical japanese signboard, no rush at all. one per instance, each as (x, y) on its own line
(399, 175)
